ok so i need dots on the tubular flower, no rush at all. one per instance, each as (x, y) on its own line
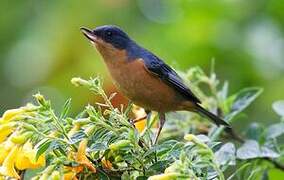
(81, 156)
(26, 158)
(106, 164)
(8, 166)
(70, 175)
(5, 148)
(6, 130)
(70, 172)
(11, 114)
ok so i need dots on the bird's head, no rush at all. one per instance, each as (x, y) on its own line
(107, 39)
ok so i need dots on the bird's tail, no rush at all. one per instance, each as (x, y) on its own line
(218, 121)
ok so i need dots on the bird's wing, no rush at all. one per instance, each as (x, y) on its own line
(157, 67)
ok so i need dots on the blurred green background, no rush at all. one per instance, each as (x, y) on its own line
(41, 47)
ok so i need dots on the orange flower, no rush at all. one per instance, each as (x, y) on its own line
(106, 164)
(70, 172)
(140, 125)
(81, 157)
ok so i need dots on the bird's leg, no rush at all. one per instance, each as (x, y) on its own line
(162, 119)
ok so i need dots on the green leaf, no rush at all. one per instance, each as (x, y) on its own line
(226, 154)
(42, 148)
(251, 149)
(275, 130)
(239, 170)
(238, 103)
(242, 100)
(255, 131)
(78, 136)
(278, 107)
(98, 147)
(157, 168)
(66, 108)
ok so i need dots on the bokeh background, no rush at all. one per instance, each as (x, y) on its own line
(41, 47)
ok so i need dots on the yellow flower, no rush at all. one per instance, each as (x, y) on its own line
(5, 148)
(190, 137)
(14, 114)
(81, 156)
(140, 125)
(139, 113)
(11, 114)
(7, 168)
(26, 158)
(5, 130)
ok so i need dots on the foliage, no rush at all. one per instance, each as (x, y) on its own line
(101, 142)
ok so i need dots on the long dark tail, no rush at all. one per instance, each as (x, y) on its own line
(218, 121)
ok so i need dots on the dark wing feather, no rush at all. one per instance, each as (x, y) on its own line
(169, 76)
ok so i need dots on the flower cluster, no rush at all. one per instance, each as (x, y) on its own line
(16, 150)
(105, 142)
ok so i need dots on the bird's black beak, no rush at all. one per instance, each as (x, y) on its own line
(89, 34)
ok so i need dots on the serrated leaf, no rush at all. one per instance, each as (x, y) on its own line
(42, 148)
(275, 130)
(278, 107)
(226, 154)
(65, 110)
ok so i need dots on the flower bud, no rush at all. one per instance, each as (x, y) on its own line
(119, 145)
(79, 82)
(41, 100)
(22, 138)
(29, 127)
(55, 175)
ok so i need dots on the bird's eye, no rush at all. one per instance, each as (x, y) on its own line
(109, 33)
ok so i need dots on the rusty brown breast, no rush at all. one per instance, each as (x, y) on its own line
(139, 85)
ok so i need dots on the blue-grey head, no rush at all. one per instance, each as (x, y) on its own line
(108, 35)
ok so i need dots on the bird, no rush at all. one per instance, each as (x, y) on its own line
(144, 78)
